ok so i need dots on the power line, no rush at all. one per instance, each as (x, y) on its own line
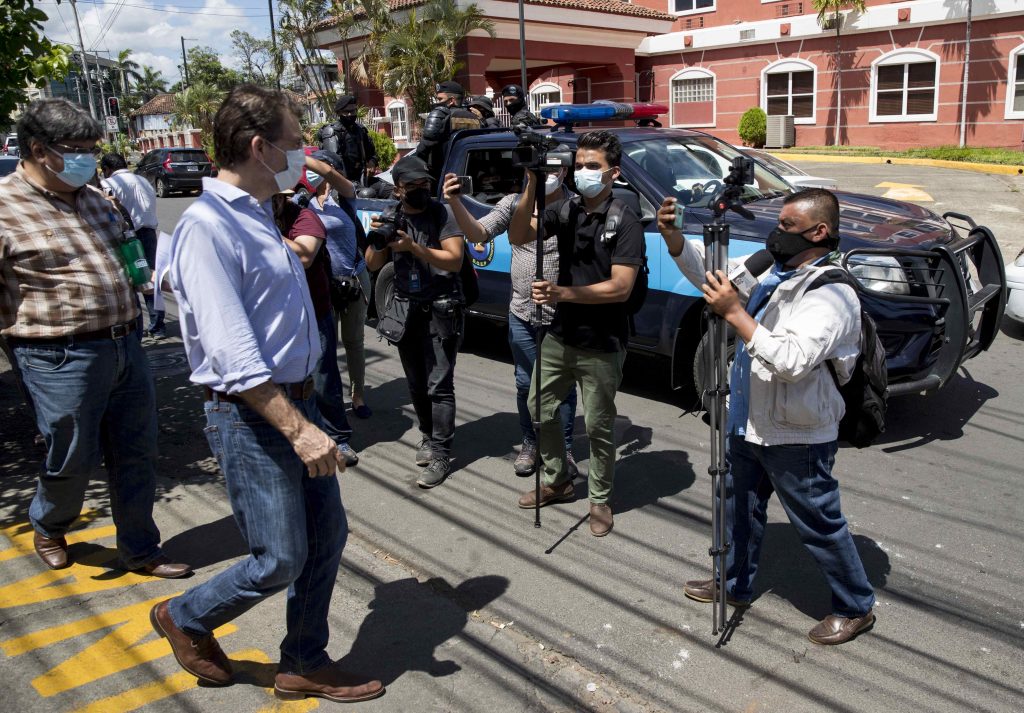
(180, 12)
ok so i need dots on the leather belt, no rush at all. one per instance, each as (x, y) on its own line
(299, 391)
(118, 331)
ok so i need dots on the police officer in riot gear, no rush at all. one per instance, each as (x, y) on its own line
(447, 117)
(484, 109)
(349, 140)
(515, 103)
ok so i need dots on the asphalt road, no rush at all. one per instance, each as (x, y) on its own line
(601, 624)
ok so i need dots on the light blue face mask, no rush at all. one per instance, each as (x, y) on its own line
(589, 181)
(79, 168)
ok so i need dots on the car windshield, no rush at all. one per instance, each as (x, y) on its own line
(776, 164)
(691, 169)
(177, 156)
(12, 141)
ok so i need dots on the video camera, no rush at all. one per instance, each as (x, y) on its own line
(391, 220)
(741, 172)
(538, 152)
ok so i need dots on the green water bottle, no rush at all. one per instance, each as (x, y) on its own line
(134, 259)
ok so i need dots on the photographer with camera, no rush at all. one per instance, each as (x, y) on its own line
(445, 118)
(783, 419)
(424, 317)
(522, 330)
(598, 261)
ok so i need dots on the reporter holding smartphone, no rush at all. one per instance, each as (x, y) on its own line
(522, 331)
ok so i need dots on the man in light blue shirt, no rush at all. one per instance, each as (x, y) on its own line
(251, 338)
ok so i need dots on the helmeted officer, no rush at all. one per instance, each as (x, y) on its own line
(447, 117)
(484, 109)
(515, 102)
(349, 140)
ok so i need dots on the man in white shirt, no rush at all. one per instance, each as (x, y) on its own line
(137, 197)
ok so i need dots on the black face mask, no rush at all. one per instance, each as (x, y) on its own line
(417, 198)
(515, 106)
(348, 120)
(785, 246)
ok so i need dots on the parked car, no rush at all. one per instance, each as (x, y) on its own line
(1015, 289)
(934, 284)
(10, 147)
(793, 175)
(173, 170)
(8, 164)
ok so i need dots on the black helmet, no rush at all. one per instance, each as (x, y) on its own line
(513, 90)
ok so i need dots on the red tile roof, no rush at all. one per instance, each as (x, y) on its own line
(160, 104)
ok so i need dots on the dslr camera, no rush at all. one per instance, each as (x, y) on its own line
(391, 220)
(741, 172)
(539, 152)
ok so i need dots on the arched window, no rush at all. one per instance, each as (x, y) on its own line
(692, 98)
(789, 88)
(905, 86)
(544, 94)
(1015, 85)
(399, 120)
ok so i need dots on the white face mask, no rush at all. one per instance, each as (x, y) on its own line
(296, 164)
(589, 181)
(552, 181)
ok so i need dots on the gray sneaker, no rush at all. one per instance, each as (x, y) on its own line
(526, 461)
(350, 456)
(435, 473)
(424, 454)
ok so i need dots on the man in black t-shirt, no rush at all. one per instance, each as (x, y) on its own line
(427, 308)
(586, 343)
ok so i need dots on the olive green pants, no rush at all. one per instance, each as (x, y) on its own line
(598, 375)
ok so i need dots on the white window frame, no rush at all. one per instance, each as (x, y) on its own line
(696, 11)
(694, 73)
(544, 88)
(396, 104)
(787, 66)
(904, 56)
(1015, 60)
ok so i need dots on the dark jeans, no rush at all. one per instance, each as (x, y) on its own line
(522, 338)
(94, 400)
(802, 477)
(428, 359)
(295, 528)
(327, 381)
(148, 237)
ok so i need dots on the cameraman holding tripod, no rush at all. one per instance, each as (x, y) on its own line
(783, 419)
(424, 317)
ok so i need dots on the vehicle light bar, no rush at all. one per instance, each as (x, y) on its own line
(601, 111)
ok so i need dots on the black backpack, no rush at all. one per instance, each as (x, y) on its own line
(567, 216)
(866, 392)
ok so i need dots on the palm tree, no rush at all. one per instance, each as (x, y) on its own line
(128, 69)
(195, 107)
(830, 13)
(150, 83)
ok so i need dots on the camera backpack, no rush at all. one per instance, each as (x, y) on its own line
(567, 216)
(866, 392)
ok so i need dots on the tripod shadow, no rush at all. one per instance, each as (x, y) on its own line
(788, 571)
(409, 619)
(388, 423)
(493, 435)
(645, 478)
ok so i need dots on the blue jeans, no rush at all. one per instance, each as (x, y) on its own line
(802, 477)
(327, 382)
(294, 525)
(94, 401)
(522, 338)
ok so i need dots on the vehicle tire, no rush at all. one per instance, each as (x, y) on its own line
(701, 375)
(384, 288)
(161, 188)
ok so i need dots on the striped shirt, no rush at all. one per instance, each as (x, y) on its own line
(60, 269)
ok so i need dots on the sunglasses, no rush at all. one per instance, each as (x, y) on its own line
(96, 151)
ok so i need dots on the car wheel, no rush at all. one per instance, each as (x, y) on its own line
(384, 290)
(701, 365)
(161, 188)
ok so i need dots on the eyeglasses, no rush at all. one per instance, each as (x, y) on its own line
(62, 149)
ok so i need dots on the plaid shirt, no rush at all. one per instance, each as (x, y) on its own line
(60, 271)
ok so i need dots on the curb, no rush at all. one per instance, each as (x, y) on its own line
(1002, 169)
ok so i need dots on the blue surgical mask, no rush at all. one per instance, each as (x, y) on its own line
(79, 169)
(589, 181)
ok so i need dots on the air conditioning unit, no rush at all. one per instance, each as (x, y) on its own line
(780, 132)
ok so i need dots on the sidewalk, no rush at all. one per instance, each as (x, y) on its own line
(991, 168)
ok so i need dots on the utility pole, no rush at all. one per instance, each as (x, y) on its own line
(273, 44)
(85, 63)
(522, 48)
(99, 80)
(184, 61)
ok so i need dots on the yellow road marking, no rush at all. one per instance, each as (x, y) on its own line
(96, 572)
(21, 537)
(905, 192)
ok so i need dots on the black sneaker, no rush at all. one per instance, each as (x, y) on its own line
(424, 454)
(435, 473)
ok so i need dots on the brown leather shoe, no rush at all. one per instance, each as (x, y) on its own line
(330, 682)
(202, 657)
(162, 567)
(701, 590)
(548, 494)
(601, 520)
(53, 552)
(839, 629)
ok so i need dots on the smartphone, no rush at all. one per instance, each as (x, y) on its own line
(466, 185)
(678, 222)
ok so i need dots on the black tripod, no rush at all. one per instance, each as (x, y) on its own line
(540, 200)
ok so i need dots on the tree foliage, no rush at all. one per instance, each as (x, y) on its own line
(753, 128)
(127, 70)
(195, 107)
(204, 67)
(386, 149)
(150, 83)
(256, 55)
(27, 58)
(297, 36)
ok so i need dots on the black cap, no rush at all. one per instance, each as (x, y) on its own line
(513, 90)
(482, 101)
(450, 87)
(410, 168)
(345, 102)
(330, 158)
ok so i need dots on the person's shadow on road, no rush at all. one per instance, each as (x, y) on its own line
(409, 619)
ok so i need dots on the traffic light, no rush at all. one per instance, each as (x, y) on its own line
(113, 107)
